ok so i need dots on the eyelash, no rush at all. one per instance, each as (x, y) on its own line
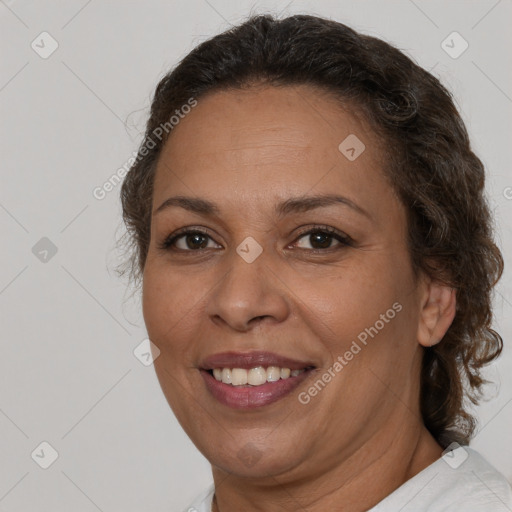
(345, 240)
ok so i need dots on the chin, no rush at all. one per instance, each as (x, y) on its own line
(247, 459)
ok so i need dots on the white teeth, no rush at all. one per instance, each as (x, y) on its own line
(226, 375)
(273, 373)
(255, 376)
(285, 373)
(238, 376)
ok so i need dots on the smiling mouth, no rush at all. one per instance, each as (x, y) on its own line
(249, 380)
(249, 388)
(257, 376)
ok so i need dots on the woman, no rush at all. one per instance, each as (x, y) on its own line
(310, 227)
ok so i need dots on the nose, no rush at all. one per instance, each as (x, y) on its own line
(248, 294)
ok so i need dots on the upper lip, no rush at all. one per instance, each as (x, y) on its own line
(250, 360)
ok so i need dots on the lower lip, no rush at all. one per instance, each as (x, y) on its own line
(250, 397)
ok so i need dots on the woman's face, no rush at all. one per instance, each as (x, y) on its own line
(256, 281)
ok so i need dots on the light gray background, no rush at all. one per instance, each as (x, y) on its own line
(68, 326)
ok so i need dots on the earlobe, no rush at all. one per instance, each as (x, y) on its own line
(438, 309)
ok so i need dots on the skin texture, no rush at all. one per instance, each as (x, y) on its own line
(362, 436)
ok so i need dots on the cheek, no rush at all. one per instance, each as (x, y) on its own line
(165, 303)
(365, 303)
(352, 300)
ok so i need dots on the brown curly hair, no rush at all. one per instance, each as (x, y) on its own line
(431, 167)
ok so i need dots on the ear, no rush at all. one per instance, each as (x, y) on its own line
(437, 312)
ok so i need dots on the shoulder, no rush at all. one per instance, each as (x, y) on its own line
(460, 480)
(202, 502)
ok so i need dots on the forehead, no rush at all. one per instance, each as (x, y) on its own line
(298, 116)
(264, 139)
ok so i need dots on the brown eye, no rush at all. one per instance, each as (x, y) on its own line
(321, 239)
(194, 241)
(190, 241)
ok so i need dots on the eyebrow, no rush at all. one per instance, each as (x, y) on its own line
(292, 205)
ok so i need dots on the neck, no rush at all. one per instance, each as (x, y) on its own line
(366, 477)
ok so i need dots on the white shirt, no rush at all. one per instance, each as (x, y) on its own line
(461, 480)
